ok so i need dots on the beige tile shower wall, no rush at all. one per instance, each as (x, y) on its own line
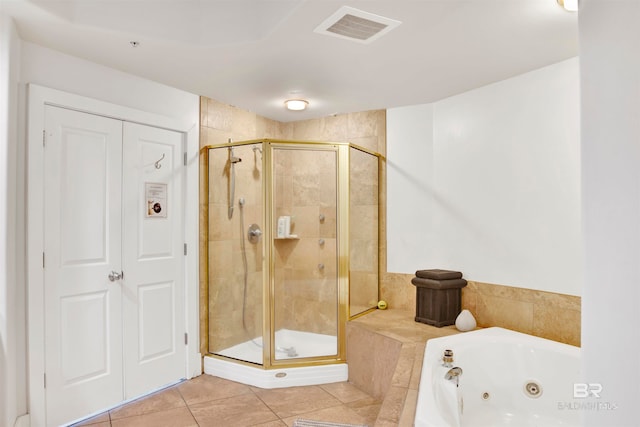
(223, 317)
(305, 295)
(219, 123)
(367, 129)
(544, 314)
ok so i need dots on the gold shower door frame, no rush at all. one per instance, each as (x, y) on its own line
(342, 235)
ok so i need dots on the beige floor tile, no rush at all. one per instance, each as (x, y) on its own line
(207, 387)
(177, 417)
(334, 414)
(94, 424)
(393, 404)
(97, 421)
(385, 423)
(217, 402)
(288, 402)
(162, 400)
(368, 408)
(344, 391)
(277, 423)
(241, 411)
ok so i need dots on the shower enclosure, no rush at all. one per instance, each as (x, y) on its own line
(291, 251)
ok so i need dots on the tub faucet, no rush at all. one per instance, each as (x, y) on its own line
(453, 374)
(447, 359)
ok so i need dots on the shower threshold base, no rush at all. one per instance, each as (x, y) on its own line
(289, 345)
(275, 378)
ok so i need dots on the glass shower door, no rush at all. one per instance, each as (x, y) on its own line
(363, 231)
(235, 252)
(304, 252)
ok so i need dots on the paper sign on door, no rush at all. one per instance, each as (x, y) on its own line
(156, 197)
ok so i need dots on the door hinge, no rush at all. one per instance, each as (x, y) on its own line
(186, 338)
(185, 158)
(42, 259)
(185, 249)
(44, 137)
(45, 380)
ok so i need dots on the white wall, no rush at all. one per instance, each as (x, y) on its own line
(494, 191)
(13, 400)
(55, 70)
(610, 90)
(410, 189)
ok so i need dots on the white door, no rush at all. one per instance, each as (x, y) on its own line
(108, 338)
(153, 253)
(82, 211)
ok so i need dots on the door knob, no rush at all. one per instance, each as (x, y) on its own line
(114, 275)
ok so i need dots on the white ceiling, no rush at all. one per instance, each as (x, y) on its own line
(254, 54)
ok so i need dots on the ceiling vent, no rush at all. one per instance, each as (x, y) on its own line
(356, 25)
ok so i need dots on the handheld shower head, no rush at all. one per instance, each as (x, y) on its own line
(232, 179)
(232, 157)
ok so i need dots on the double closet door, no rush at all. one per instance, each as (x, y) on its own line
(113, 262)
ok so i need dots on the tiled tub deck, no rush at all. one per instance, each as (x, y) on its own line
(384, 351)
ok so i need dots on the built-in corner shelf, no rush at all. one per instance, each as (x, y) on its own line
(294, 237)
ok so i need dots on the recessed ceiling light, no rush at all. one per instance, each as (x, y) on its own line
(134, 43)
(296, 104)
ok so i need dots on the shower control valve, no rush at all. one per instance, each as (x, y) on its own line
(254, 233)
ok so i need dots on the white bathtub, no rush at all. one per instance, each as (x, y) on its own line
(508, 379)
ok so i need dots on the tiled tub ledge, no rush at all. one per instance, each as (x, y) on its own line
(384, 351)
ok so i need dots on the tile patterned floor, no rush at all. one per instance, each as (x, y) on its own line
(210, 401)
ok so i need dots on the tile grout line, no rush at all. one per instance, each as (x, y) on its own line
(267, 406)
(187, 405)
